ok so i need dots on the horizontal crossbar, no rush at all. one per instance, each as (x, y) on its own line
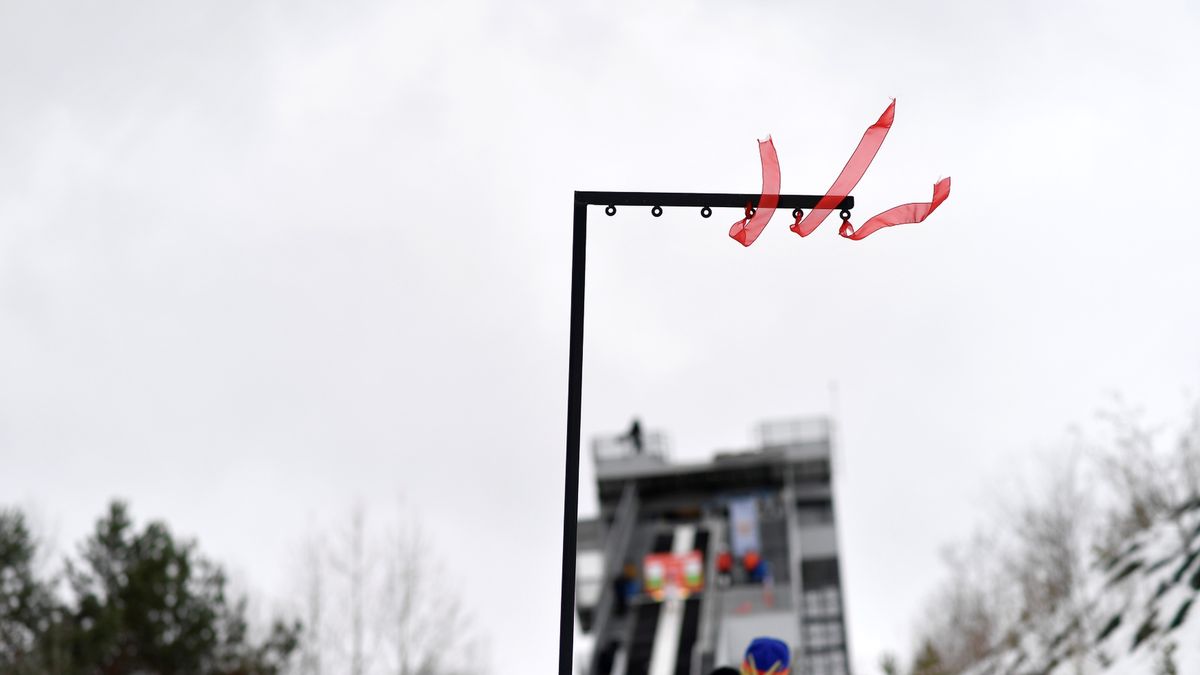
(699, 199)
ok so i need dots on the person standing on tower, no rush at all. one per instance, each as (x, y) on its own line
(635, 436)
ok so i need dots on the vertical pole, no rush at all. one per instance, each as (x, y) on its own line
(566, 624)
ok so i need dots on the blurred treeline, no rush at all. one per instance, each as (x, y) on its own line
(1028, 574)
(140, 601)
(129, 601)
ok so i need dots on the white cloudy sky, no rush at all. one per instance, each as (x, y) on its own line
(261, 260)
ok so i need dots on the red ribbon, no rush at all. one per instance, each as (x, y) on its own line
(868, 147)
(746, 230)
(851, 173)
(913, 212)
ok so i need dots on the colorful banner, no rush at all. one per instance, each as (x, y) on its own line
(743, 526)
(679, 574)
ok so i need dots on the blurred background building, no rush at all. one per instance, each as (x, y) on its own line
(688, 562)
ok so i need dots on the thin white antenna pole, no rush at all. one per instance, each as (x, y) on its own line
(834, 420)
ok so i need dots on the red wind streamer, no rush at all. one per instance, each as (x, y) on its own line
(905, 213)
(851, 173)
(746, 230)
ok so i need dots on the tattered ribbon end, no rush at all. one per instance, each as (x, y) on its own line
(740, 234)
(941, 189)
(888, 116)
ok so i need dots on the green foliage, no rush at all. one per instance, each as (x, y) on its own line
(140, 602)
(1126, 571)
(1115, 559)
(928, 661)
(1180, 615)
(1183, 568)
(1109, 627)
(1166, 660)
(1147, 629)
(26, 605)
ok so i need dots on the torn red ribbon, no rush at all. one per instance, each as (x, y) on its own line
(913, 212)
(746, 230)
(855, 167)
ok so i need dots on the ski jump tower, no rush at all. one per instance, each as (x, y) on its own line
(773, 504)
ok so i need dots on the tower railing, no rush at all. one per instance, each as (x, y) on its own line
(794, 431)
(616, 448)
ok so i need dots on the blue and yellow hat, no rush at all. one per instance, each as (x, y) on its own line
(766, 656)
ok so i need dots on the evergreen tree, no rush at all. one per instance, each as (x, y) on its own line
(928, 661)
(27, 605)
(889, 665)
(141, 602)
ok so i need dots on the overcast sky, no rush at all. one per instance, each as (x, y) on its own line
(259, 261)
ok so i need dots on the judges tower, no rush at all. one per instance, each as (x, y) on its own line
(687, 562)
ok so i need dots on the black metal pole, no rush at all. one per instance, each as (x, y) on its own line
(566, 623)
